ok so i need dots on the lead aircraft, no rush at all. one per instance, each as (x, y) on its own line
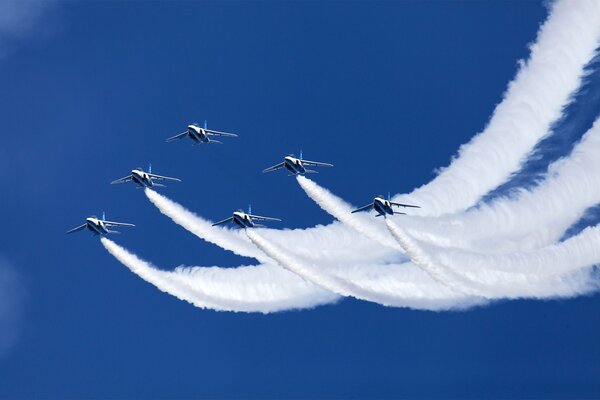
(245, 220)
(384, 206)
(200, 134)
(296, 166)
(144, 179)
(99, 226)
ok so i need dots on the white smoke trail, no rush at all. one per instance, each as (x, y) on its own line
(327, 242)
(228, 239)
(341, 210)
(264, 288)
(533, 101)
(529, 219)
(396, 285)
(560, 270)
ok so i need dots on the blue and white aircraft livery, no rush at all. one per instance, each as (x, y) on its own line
(200, 135)
(296, 166)
(383, 206)
(99, 226)
(245, 220)
(144, 179)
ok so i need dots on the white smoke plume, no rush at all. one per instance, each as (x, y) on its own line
(264, 288)
(228, 239)
(530, 218)
(560, 270)
(331, 242)
(396, 285)
(341, 210)
(534, 100)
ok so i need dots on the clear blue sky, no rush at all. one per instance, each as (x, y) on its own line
(386, 91)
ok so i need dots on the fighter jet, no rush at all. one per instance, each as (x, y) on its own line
(144, 179)
(99, 226)
(200, 135)
(245, 220)
(296, 166)
(383, 206)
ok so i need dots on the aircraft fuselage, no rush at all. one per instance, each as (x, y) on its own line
(198, 134)
(141, 178)
(242, 219)
(96, 226)
(294, 165)
(382, 206)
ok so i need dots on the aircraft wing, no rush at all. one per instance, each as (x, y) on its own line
(78, 228)
(321, 164)
(208, 131)
(121, 180)
(166, 178)
(403, 205)
(176, 137)
(367, 207)
(112, 223)
(274, 167)
(259, 218)
(223, 221)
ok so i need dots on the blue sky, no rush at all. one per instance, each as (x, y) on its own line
(386, 91)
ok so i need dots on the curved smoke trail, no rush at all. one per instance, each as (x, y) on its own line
(395, 285)
(264, 288)
(533, 101)
(530, 219)
(561, 270)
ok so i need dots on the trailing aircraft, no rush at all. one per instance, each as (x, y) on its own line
(245, 220)
(144, 179)
(200, 134)
(384, 206)
(99, 226)
(297, 166)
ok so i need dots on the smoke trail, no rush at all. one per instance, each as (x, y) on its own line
(396, 285)
(560, 270)
(264, 288)
(423, 261)
(339, 209)
(533, 101)
(326, 242)
(571, 187)
(227, 239)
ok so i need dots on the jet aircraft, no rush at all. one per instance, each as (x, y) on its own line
(383, 206)
(200, 134)
(99, 226)
(296, 166)
(245, 220)
(144, 179)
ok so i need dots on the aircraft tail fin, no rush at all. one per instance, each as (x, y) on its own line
(310, 171)
(149, 168)
(249, 208)
(159, 185)
(103, 216)
(214, 141)
(114, 232)
(205, 125)
(398, 212)
(300, 154)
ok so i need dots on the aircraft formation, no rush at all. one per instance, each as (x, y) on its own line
(202, 135)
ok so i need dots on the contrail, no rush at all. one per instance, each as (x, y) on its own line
(533, 101)
(530, 219)
(227, 239)
(561, 270)
(332, 241)
(339, 209)
(263, 288)
(396, 285)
